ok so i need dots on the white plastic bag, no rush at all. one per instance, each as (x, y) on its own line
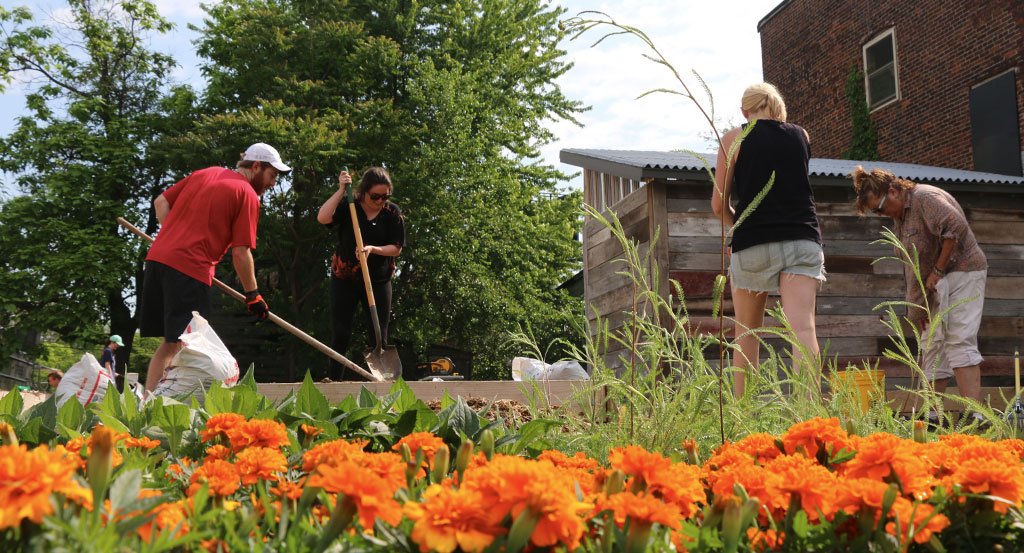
(567, 370)
(204, 352)
(202, 359)
(86, 381)
(526, 368)
(183, 381)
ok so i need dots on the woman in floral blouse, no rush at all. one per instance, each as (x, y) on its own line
(952, 265)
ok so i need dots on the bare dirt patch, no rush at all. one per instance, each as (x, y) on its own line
(511, 412)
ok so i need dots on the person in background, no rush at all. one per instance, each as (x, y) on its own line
(777, 247)
(953, 267)
(383, 230)
(53, 379)
(203, 216)
(109, 359)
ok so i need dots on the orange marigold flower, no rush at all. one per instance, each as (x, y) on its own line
(637, 462)
(815, 434)
(758, 482)
(142, 442)
(260, 463)
(583, 469)
(258, 433)
(643, 509)
(417, 441)
(802, 477)
(511, 484)
(448, 519)
(680, 485)
(215, 545)
(287, 489)
(762, 447)
(372, 495)
(991, 476)
(310, 431)
(861, 494)
(1014, 446)
(170, 517)
(222, 477)
(218, 451)
(765, 540)
(219, 425)
(921, 516)
(889, 458)
(28, 478)
(334, 451)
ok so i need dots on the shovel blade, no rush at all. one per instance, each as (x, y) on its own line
(384, 362)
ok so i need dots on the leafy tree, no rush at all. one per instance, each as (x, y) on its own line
(81, 157)
(453, 98)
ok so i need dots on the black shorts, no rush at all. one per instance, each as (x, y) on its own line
(168, 299)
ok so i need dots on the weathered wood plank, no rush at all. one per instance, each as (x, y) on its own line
(636, 200)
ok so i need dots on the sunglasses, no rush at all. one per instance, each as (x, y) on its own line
(878, 210)
(379, 197)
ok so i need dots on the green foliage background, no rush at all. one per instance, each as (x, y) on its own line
(452, 98)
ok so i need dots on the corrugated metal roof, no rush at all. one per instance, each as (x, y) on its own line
(819, 167)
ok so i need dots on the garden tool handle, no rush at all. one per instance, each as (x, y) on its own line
(270, 315)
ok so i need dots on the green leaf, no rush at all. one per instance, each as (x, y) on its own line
(12, 403)
(69, 418)
(801, 527)
(531, 432)
(173, 418)
(368, 399)
(311, 401)
(125, 490)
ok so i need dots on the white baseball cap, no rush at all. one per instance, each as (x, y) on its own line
(267, 154)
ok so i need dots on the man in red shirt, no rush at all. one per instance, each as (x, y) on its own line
(201, 217)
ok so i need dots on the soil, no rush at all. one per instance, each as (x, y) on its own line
(512, 412)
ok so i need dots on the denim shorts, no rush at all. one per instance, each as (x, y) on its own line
(758, 268)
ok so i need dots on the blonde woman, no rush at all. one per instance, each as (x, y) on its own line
(776, 248)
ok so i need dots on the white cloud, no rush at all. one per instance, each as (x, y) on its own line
(718, 39)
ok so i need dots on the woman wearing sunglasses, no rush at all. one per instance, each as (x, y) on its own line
(383, 230)
(953, 268)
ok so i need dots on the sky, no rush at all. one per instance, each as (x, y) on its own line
(717, 38)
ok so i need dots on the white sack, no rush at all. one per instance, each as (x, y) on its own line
(526, 368)
(86, 381)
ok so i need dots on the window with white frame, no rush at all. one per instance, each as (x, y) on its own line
(881, 77)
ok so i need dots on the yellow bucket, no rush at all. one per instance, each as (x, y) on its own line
(869, 385)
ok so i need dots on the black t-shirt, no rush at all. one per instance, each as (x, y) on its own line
(109, 355)
(386, 229)
(787, 211)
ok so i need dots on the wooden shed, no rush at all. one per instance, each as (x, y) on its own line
(669, 193)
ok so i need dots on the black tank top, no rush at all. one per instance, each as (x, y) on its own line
(787, 211)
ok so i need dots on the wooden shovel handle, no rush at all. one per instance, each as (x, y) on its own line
(272, 317)
(362, 256)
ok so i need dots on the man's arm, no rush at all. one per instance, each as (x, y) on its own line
(241, 258)
(162, 207)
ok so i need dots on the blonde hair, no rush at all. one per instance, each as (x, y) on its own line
(877, 183)
(764, 97)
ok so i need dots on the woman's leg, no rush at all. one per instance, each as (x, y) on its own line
(799, 296)
(343, 306)
(381, 297)
(749, 308)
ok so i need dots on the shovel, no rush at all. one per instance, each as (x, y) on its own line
(383, 359)
(272, 317)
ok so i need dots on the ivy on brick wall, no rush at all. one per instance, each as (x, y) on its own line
(864, 144)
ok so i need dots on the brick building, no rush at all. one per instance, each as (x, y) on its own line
(943, 78)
